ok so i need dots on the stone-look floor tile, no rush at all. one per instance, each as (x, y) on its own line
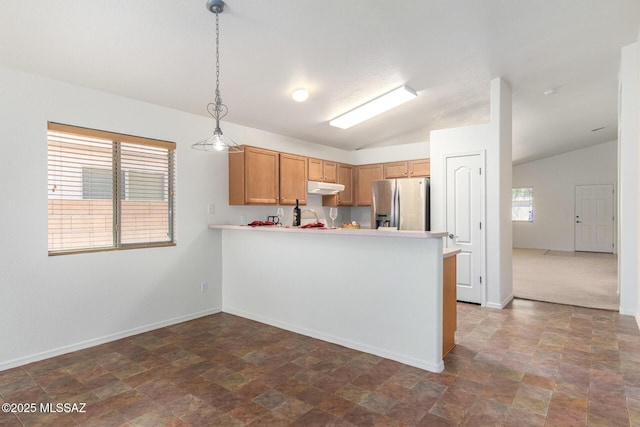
(548, 383)
(361, 417)
(314, 418)
(562, 416)
(408, 413)
(530, 364)
(521, 418)
(247, 412)
(160, 417)
(378, 403)
(451, 411)
(270, 399)
(336, 406)
(431, 420)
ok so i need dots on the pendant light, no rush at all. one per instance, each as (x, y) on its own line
(217, 141)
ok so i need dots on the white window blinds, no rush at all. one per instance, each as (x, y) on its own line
(108, 190)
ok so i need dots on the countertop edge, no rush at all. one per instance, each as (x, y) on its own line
(338, 231)
(449, 252)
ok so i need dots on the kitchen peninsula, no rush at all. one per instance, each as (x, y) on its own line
(374, 291)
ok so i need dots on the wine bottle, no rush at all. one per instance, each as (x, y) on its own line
(296, 215)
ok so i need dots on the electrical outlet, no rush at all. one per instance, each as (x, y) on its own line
(204, 286)
(212, 208)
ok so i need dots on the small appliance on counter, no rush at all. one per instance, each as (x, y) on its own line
(402, 204)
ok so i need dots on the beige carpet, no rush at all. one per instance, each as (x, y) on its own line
(576, 278)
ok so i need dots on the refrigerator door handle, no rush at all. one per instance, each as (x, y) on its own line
(396, 207)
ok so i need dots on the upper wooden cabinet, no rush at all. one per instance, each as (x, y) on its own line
(408, 168)
(315, 170)
(323, 170)
(345, 197)
(254, 177)
(421, 167)
(364, 175)
(293, 179)
(396, 170)
(264, 177)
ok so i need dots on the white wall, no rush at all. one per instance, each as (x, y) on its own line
(495, 140)
(500, 181)
(629, 180)
(553, 180)
(52, 305)
(417, 150)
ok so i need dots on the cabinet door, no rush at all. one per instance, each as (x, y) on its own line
(420, 168)
(345, 197)
(396, 170)
(315, 170)
(366, 174)
(261, 176)
(293, 179)
(330, 171)
(345, 177)
(449, 305)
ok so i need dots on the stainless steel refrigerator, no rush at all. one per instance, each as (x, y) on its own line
(401, 203)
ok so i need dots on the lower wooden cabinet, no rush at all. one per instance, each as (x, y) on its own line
(449, 304)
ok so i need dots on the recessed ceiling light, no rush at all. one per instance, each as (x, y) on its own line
(300, 95)
(374, 107)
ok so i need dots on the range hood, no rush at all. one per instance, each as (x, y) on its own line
(324, 188)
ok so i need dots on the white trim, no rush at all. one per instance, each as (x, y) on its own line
(398, 357)
(483, 232)
(502, 305)
(104, 339)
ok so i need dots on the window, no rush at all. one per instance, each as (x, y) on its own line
(522, 204)
(108, 190)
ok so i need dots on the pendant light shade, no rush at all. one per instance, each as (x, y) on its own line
(217, 141)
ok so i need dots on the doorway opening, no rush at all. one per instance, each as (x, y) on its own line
(586, 276)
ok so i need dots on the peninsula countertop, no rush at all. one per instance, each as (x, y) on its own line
(337, 231)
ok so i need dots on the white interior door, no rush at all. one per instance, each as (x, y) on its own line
(463, 189)
(594, 218)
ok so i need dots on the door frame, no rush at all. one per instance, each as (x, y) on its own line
(483, 231)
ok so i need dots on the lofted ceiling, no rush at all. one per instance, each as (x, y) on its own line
(345, 53)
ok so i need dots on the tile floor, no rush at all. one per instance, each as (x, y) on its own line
(530, 364)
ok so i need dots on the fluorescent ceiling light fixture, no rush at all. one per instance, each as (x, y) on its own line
(374, 107)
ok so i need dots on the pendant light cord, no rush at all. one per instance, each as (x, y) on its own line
(218, 98)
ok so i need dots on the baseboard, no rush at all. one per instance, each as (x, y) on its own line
(629, 313)
(501, 305)
(402, 358)
(104, 339)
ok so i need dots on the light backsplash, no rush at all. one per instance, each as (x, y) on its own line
(314, 202)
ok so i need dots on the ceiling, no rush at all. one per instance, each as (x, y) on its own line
(345, 53)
